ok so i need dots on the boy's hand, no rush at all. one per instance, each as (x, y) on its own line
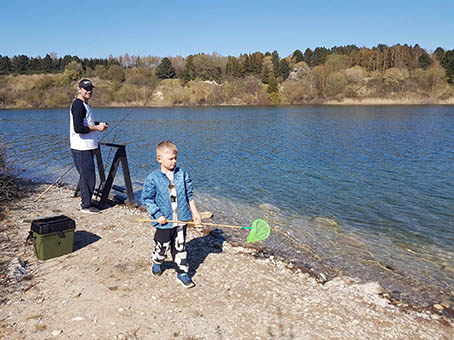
(162, 220)
(196, 218)
(195, 214)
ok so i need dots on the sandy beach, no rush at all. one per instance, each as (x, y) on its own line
(104, 289)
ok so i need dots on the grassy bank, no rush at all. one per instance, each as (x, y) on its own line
(353, 86)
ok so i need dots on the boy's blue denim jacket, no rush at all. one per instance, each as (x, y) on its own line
(156, 197)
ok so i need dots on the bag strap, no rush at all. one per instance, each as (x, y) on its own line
(31, 237)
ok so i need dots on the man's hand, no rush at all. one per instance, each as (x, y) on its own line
(102, 126)
(162, 220)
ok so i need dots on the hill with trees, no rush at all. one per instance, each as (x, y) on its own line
(341, 74)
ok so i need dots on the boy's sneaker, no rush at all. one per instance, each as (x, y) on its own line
(185, 280)
(90, 210)
(156, 269)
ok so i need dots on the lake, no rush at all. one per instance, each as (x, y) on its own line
(360, 190)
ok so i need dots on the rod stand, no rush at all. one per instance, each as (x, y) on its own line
(106, 183)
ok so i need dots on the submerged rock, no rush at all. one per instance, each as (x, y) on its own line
(328, 221)
(268, 206)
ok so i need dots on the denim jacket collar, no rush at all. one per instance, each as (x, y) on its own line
(175, 172)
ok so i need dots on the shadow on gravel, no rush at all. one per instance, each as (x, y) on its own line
(199, 248)
(84, 238)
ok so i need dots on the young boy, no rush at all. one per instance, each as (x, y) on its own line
(167, 195)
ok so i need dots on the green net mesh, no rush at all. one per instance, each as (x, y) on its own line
(259, 232)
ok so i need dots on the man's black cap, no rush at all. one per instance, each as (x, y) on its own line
(86, 84)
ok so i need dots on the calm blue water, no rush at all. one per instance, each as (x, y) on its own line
(383, 174)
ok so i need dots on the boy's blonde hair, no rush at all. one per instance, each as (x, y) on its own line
(164, 146)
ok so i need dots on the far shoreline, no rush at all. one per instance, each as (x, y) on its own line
(344, 102)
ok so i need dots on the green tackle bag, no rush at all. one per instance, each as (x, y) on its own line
(52, 236)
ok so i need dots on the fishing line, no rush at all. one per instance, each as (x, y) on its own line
(113, 140)
(115, 135)
(121, 121)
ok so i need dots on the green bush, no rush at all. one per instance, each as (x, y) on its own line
(393, 78)
(335, 84)
(335, 63)
(447, 92)
(143, 76)
(298, 92)
(354, 74)
(100, 71)
(128, 93)
(115, 72)
(45, 82)
(57, 97)
(73, 72)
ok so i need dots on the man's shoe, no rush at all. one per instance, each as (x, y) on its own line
(90, 210)
(185, 280)
(156, 269)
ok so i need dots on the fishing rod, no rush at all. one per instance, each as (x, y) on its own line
(72, 166)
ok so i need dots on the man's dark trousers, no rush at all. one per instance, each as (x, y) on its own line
(84, 162)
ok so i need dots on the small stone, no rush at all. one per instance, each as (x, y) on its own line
(121, 310)
(445, 304)
(303, 275)
(78, 318)
(57, 332)
(371, 288)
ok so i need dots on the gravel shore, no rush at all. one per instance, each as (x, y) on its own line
(104, 289)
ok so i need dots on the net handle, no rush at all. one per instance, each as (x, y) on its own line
(203, 223)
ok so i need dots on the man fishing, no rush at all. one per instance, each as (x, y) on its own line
(84, 140)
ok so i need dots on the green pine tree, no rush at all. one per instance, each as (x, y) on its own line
(165, 69)
(284, 69)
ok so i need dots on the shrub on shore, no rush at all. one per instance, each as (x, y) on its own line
(9, 187)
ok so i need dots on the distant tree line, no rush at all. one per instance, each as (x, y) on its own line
(22, 64)
(398, 72)
(267, 66)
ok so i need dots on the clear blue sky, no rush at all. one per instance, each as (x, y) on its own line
(181, 27)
